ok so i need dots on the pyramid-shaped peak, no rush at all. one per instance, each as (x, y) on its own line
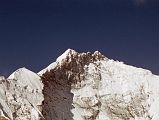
(71, 55)
(70, 52)
(67, 53)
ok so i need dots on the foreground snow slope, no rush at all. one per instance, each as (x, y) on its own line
(81, 86)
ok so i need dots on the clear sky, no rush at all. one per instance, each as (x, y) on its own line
(33, 33)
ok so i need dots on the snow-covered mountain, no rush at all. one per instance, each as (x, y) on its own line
(81, 86)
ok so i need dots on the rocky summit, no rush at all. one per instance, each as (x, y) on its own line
(80, 86)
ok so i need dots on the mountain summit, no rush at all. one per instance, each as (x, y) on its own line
(81, 86)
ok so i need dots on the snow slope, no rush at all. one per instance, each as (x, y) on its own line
(121, 92)
(81, 86)
(59, 61)
(23, 95)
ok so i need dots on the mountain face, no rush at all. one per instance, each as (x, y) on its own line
(21, 95)
(81, 86)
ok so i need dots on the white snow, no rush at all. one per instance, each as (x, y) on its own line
(111, 90)
(68, 53)
(22, 93)
(58, 61)
(26, 77)
(50, 67)
(118, 82)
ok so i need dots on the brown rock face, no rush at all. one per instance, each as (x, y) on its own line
(58, 82)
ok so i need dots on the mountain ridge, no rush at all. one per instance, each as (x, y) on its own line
(81, 86)
(63, 55)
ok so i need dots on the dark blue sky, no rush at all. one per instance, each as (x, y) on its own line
(33, 33)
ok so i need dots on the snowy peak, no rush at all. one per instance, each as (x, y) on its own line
(81, 86)
(71, 57)
(102, 89)
(26, 77)
(22, 93)
(66, 54)
(62, 58)
(19, 71)
(70, 54)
